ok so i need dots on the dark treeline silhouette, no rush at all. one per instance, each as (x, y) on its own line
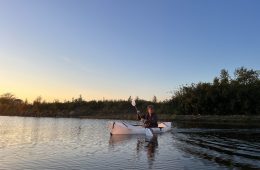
(11, 106)
(239, 95)
(224, 96)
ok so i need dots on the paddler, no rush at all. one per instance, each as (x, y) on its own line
(150, 118)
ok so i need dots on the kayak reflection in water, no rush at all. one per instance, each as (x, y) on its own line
(150, 118)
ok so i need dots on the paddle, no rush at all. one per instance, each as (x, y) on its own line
(134, 104)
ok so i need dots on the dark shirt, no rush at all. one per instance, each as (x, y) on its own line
(150, 121)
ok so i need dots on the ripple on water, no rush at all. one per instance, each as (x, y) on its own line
(223, 146)
(59, 143)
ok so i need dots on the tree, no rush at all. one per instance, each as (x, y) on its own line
(154, 99)
(245, 76)
(7, 98)
(26, 102)
(80, 99)
(37, 101)
(129, 99)
(216, 81)
(224, 76)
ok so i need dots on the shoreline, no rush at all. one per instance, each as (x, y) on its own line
(228, 121)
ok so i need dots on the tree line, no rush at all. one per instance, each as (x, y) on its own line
(78, 107)
(226, 95)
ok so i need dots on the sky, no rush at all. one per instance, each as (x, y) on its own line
(113, 49)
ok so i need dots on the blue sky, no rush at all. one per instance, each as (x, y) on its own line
(113, 49)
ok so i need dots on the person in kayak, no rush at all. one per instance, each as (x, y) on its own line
(150, 118)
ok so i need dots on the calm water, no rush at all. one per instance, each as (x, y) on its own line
(57, 143)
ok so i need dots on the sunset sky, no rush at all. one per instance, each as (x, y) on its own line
(59, 49)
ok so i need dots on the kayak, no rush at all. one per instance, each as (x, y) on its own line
(122, 128)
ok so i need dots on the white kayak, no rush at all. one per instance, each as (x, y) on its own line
(122, 128)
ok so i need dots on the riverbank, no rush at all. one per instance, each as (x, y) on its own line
(211, 121)
(127, 116)
(231, 121)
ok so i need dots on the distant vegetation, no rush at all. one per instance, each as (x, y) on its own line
(239, 95)
(11, 106)
(224, 96)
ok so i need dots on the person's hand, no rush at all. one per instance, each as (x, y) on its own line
(147, 123)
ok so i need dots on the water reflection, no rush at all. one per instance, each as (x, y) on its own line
(143, 144)
(149, 145)
(51, 143)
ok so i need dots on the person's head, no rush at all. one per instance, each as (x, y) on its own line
(150, 109)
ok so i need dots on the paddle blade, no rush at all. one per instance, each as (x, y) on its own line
(133, 103)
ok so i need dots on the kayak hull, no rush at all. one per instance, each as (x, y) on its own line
(122, 128)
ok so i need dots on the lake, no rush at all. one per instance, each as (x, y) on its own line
(68, 143)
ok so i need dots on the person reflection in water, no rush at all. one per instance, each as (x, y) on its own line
(150, 118)
(147, 146)
(150, 147)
